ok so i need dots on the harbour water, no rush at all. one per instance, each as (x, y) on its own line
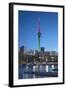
(27, 71)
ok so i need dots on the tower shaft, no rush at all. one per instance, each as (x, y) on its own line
(39, 34)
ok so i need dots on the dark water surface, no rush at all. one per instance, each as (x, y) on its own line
(37, 71)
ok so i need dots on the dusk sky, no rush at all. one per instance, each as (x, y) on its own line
(28, 29)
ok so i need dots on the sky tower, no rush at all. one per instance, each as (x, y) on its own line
(39, 35)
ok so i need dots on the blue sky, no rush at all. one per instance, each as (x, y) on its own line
(28, 28)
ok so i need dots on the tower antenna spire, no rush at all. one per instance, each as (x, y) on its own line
(38, 24)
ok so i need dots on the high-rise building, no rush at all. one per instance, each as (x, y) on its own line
(42, 49)
(22, 49)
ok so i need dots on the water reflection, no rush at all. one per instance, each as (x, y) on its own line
(37, 71)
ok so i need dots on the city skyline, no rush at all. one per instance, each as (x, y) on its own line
(28, 29)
